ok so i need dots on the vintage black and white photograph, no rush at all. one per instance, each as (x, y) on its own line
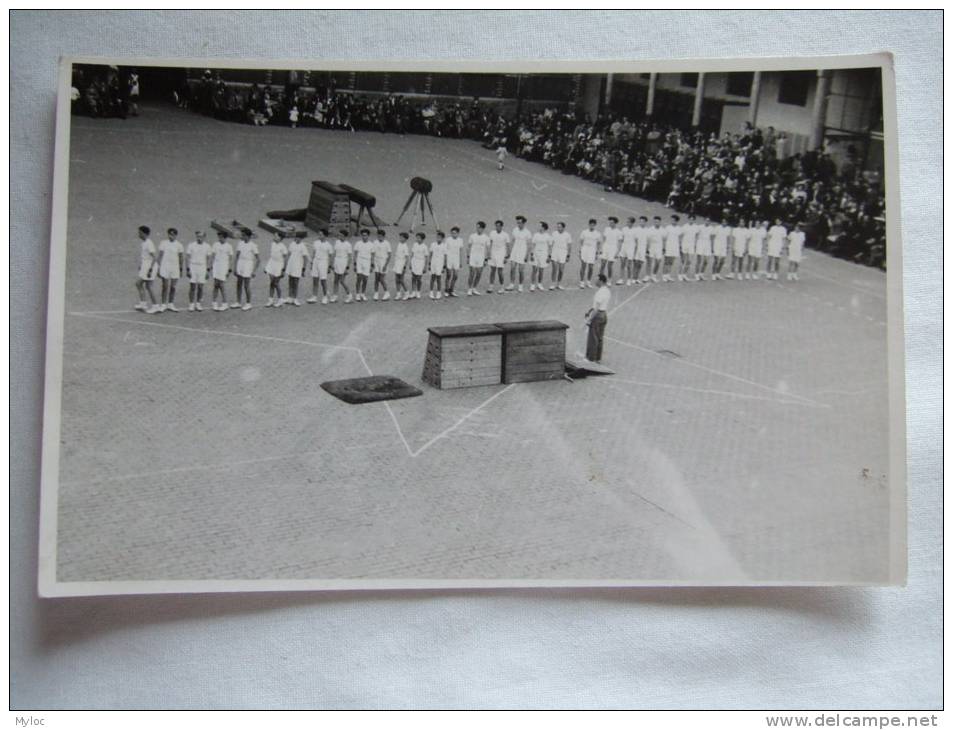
(473, 325)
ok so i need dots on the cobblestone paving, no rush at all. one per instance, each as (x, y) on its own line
(743, 436)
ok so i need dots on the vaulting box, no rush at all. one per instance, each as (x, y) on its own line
(534, 350)
(464, 356)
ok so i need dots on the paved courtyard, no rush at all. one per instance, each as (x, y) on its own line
(743, 437)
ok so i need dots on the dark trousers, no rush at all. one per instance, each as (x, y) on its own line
(597, 331)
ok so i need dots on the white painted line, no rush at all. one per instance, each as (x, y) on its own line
(400, 431)
(730, 376)
(390, 411)
(729, 393)
(268, 338)
(628, 299)
(197, 330)
(473, 412)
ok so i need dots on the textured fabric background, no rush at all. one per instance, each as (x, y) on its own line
(802, 648)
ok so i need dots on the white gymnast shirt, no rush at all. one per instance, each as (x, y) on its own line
(147, 253)
(589, 239)
(198, 253)
(561, 241)
(600, 302)
(628, 242)
(478, 244)
(382, 251)
(521, 239)
(454, 247)
(498, 245)
(610, 242)
(541, 242)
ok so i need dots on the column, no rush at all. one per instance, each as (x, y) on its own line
(754, 99)
(592, 94)
(819, 117)
(608, 90)
(650, 99)
(699, 97)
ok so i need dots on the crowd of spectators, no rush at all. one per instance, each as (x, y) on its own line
(290, 105)
(108, 91)
(749, 175)
(744, 176)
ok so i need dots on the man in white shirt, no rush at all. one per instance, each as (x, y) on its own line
(382, 252)
(655, 238)
(641, 250)
(757, 233)
(148, 266)
(739, 246)
(171, 255)
(222, 255)
(438, 262)
(777, 236)
(597, 319)
(703, 250)
(521, 241)
(628, 251)
(542, 242)
(499, 252)
(476, 258)
(559, 255)
(320, 266)
(689, 235)
(673, 236)
(795, 251)
(198, 253)
(719, 249)
(363, 257)
(454, 260)
(342, 260)
(247, 259)
(611, 239)
(589, 241)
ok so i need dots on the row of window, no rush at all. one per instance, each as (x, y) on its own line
(793, 88)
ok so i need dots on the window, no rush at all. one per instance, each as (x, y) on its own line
(645, 76)
(689, 80)
(794, 87)
(739, 84)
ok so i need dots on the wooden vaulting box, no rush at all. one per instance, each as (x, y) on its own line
(489, 354)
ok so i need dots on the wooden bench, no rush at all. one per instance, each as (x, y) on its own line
(290, 230)
(489, 354)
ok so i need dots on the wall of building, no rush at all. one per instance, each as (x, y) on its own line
(790, 118)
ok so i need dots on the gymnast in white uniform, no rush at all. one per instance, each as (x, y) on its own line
(401, 254)
(275, 268)
(148, 266)
(321, 266)
(522, 237)
(297, 263)
(541, 243)
(589, 241)
(222, 256)
(246, 265)
(562, 242)
(478, 244)
(171, 254)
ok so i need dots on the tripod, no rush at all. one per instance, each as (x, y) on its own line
(420, 191)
